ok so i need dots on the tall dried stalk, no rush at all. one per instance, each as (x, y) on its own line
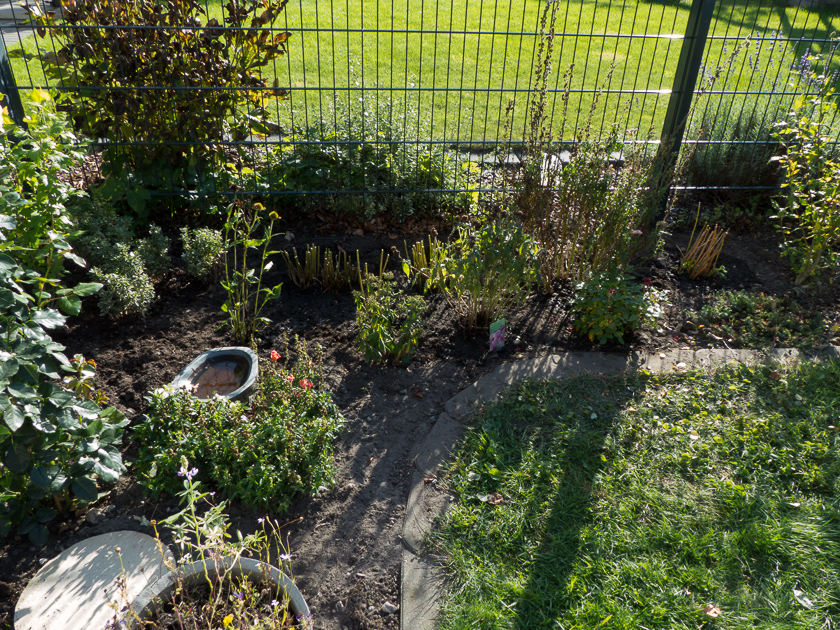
(586, 215)
(700, 259)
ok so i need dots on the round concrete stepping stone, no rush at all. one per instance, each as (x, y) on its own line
(73, 590)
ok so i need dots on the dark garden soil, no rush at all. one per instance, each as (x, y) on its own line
(346, 542)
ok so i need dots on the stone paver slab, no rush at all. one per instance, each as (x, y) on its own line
(73, 590)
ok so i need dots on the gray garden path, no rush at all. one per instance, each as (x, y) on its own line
(421, 576)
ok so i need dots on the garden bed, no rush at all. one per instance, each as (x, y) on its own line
(345, 542)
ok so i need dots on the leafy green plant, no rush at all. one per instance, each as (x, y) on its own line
(154, 252)
(32, 189)
(223, 599)
(203, 252)
(757, 320)
(488, 270)
(205, 71)
(264, 454)
(246, 296)
(364, 145)
(609, 305)
(809, 209)
(56, 444)
(127, 288)
(389, 322)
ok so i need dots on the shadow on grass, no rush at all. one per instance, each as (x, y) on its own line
(548, 592)
(549, 440)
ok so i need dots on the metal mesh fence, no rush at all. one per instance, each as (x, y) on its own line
(432, 90)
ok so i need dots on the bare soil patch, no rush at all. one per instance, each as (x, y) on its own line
(346, 544)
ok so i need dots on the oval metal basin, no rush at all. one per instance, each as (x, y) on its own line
(229, 372)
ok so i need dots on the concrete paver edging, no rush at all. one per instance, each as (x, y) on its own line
(421, 577)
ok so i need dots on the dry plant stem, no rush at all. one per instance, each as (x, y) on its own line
(701, 258)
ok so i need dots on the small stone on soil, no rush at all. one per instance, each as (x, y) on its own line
(389, 609)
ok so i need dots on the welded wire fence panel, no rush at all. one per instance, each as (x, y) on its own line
(760, 58)
(401, 96)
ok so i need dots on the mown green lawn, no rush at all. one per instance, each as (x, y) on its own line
(686, 501)
(457, 76)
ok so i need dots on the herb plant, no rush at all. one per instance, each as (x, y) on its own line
(203, 252)
(221, 599)
(488, 270)
(246, 296)
(609, 305)
(264, 453)
(127, 288)
(389, 322)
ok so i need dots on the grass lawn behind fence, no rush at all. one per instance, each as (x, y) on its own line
(470, 49)
(685, 501)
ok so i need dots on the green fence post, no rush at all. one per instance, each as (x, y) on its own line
(9, 95)
(685, 78)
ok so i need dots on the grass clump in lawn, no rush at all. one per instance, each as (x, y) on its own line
(690, 500)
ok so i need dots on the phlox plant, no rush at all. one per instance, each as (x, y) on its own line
(608, 306)
(264, 453)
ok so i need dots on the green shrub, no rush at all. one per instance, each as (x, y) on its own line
(365, 146)
(102, 230)
(56, 444)
(488, 271)
(122, 49)
(608, 306)
(128, 289)
(389, 322)
(203, 251)
(808, 210)
(586, 214)
(32, 189)
(264, 453)
(154, 252)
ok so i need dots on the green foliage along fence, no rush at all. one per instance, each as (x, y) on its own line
(418, 84)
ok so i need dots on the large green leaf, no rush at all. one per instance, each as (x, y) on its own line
(85, 489)
(8, 368)
(49, 318)
(13, 417)
(19, 390)
(85, 289)
(37, 532)
(70, 304)
(7, 263)
(40, 477)
(58, 483)
(17, 459)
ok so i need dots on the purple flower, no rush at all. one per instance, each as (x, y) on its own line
(189, 474)
(274, 603)
(285, 556)
(239, 596)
